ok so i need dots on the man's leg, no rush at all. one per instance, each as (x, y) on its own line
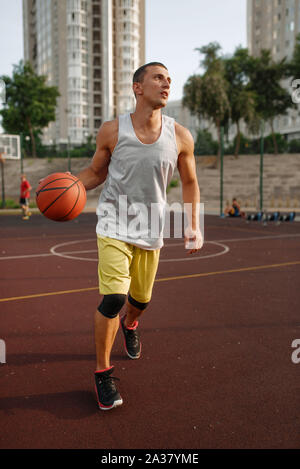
(143, 271)
(129, 323)
(105, 333)
(113, 270)
(106, 327)
(132, 313)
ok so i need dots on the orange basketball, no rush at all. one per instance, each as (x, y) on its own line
(61, 196)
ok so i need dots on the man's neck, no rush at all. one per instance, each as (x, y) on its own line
(146, 117)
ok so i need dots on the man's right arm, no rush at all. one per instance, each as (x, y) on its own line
(95, 174)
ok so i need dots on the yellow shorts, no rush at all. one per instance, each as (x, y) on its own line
(124, 268)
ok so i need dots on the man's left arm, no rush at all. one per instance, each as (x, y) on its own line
(190, 188)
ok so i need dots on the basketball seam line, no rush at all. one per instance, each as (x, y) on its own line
(53, 202)
(52, 189)
(73, 205)
(57, 179)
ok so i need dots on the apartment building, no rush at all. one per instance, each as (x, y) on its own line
(89, 49)
(274, 25)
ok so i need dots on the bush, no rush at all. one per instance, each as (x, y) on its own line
(205, 145)
(281, 143)
(252, 147)
(294, 146)
(247, 146)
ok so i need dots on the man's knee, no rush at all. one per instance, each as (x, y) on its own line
(111, 305)
(137, 304)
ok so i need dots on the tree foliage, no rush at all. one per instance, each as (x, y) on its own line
(242, 99)
(206, 95)
(30, 103)
(266, 78)
(241, 88)
(294, 65)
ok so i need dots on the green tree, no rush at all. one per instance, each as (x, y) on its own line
(206, 95)
(242, 100)
(30, 103)
(294, 65)
(294, 71)
(272, 99)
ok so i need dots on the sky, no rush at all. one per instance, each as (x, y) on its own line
(174, 28)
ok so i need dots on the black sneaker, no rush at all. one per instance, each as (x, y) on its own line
(106, 391)
(132, 341)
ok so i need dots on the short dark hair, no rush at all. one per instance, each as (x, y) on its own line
(140, 72)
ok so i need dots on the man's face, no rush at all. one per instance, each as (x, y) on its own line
(155, 87)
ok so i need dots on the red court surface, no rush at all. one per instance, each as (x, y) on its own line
(216, 369)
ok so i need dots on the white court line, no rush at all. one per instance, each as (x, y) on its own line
(192, 258)
(256, 238)
(27, 256)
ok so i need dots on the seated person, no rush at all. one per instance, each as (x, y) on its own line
(234, 210)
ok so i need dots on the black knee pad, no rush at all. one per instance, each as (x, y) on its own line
(137, 304)
(111, 305)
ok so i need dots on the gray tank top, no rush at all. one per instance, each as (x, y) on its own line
(132, 203)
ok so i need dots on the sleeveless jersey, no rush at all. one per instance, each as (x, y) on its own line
(132, 203)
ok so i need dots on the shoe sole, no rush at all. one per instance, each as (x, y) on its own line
(131, 356)
(103, 407)
(115, 404)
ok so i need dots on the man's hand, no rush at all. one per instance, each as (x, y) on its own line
(193, 240)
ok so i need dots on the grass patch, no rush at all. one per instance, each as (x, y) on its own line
(173, 183)
(11, 203)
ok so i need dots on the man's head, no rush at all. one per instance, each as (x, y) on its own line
(139, 74)
(151, 82)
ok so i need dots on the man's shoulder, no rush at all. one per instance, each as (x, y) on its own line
(108, 131)
(183, 135)
(110, 125)
(182, 131)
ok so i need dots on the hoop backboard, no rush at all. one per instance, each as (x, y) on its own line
(10, 146)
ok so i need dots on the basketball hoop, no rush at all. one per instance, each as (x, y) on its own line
(10, 146)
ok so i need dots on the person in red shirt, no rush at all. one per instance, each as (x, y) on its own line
(24, 197)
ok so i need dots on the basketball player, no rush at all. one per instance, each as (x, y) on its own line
(136, 155)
